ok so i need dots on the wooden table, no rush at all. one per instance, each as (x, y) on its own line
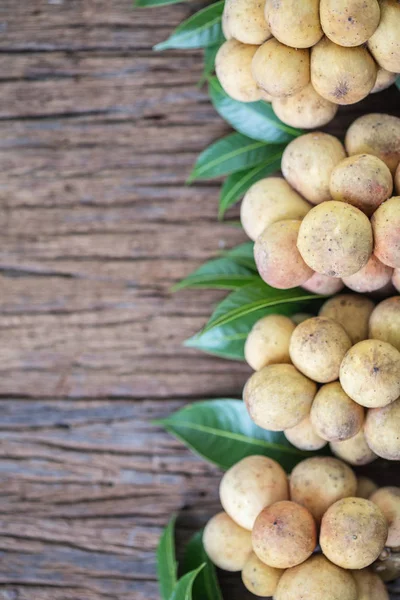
(97, 137)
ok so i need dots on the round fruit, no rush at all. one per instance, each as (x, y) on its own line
(249, 486)
(318, 482)
(376, 134)
(384, 44)
(245, 21)
(227, 544)
(323, 284)
(362, 180)
(349, 22)
(259, 578)
(268, 342)
(284, 535)
(352, 312)
(386, 226)
(233, 68)
(268, 201)
(388, 500)
(369, 586)
(382, 428)
(335, 416)
(306, 109)
(294, 22)
(384, 80)
(335, 239)
(316, 579)
(353, 533)
(355, 450)
(317, 348)
(278, 397)
(373, 276)
(397, 179)
(351, 74)
(278, 260)
(365, 487)
(308, 162)
(384, 322)
(304, 436)
(369, 373)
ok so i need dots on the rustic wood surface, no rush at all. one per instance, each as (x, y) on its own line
(97, 136)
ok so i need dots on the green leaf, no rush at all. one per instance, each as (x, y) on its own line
(222, 432)
(237, 184)
(206, 585)
(200, 30)
(230, 154)
(167, 567)
(398, 83)
(227, 341)
(254, 119)
(252, 297)
(243, 255)
(183, 589)
(221, 273)
(210, 54)
(151, 3)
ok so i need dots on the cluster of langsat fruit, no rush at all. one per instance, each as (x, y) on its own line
(351, 236)
(353, 349)
(271, 526)
(308, 56)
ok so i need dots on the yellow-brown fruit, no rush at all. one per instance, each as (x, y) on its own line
(384, 322)
(284, 535)
(322, 284)
(318, 482)
(280, 70)
(268, 342)
(373, 276)
(233, 68)
(365, 487)
(225, 27)
(278, 397)
(306, 109)
(294, 22)
(246, 22)
(259, 578)
(335, 239)
(353, 533)
(386, 226)
(334, 415)
(249, 486)
(227, 544)
(355, 450)
(304, 436)
(317, 348)
(384, 80)
(376, 134)
(316, 579)
(278, 260)
(384, 44)
(349, 22)
(396, 279)
(298, 318)
(307, 164)
(342, 75)
(369, 373)
(268, 201)
(362, 180)
(388, 500)
(352, 312)
(382, 427)
(397, 179)
(369, 585)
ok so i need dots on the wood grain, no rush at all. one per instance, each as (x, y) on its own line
(97, 137)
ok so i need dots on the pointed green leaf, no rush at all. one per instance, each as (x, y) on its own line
(252, 297)
(210, 54)
(237, 184)
(230, 154)
(206, 586)
(151, 3)
(254, 119)
(167, 567)
(183, 589)
(222, 432)
(221, 273)
(199, 31)
(243, 255)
